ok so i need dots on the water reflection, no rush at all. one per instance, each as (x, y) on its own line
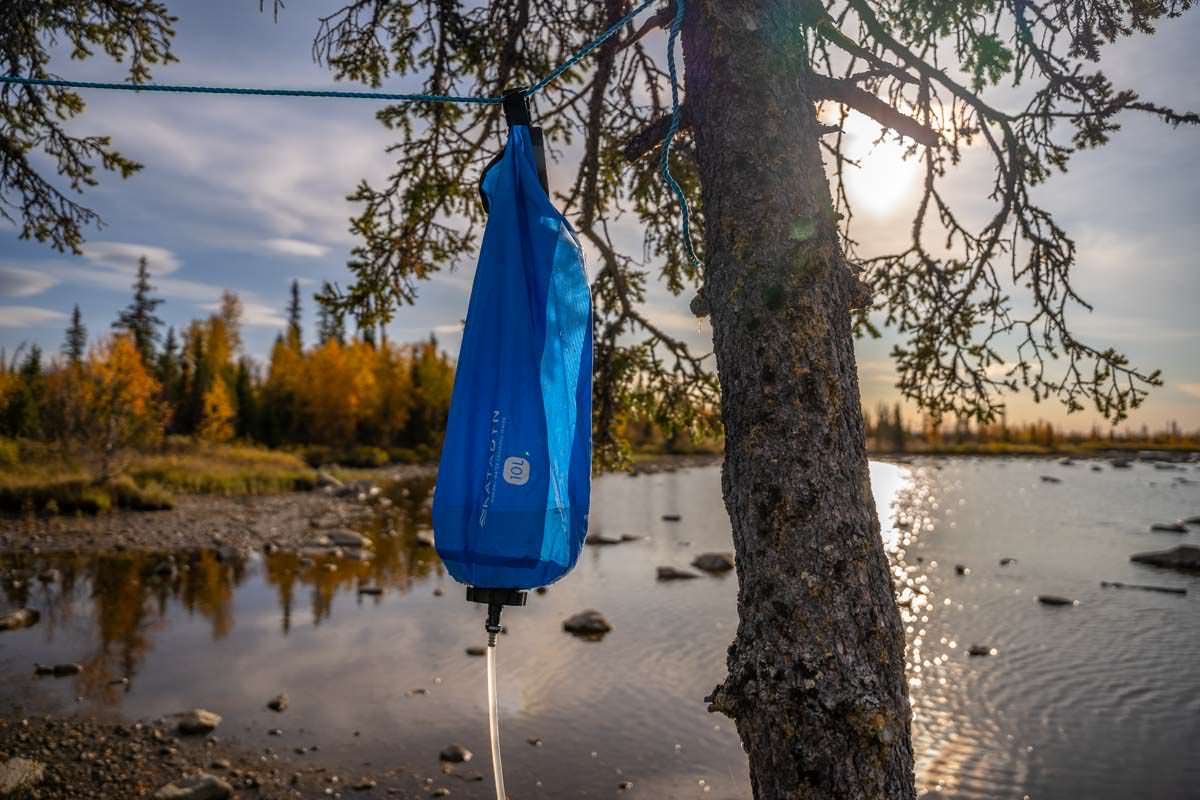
(128, 594)
(1062, 699)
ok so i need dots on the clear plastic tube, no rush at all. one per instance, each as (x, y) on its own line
(494, 721)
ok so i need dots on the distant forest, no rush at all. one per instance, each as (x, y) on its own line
(137, 384)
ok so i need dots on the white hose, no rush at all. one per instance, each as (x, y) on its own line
(494, 721)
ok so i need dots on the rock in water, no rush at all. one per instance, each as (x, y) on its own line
(455, 754)
(589, 624)
(1185, 558)
(65, 670)
(672, 517)
(196, 787)
(21, 618)
(347, 538)
(979, 650)
(1054, 600)
(425, 538)
(1051, 479)
(1004, 562)
(1168, 527)
(278, 703)
(197, 722)
(19, 775)
(961, 569)
(599, 539)
(476, 651)
(672, 574)
(714, 562)
(1192, 521)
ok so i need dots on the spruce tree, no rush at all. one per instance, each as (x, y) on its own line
(330, 324)
(168, 369)
(139, 318)
(76, 341)
(295, 331)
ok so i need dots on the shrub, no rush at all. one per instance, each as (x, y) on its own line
(10, 453)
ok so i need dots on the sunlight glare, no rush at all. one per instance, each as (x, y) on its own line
(884, 179)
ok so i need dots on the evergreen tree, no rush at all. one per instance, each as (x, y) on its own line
(899, 434)
(168, 370)
(76, 342)
(295, 331)
(330, 323)
(23, 414)
(138, 318)
(246, 421)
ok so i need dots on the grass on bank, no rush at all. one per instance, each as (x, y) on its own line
(39, 479)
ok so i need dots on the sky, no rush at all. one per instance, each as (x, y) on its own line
(248, 194)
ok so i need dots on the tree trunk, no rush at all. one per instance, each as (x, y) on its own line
(816, 673)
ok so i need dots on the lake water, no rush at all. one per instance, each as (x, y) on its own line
(1096, 700)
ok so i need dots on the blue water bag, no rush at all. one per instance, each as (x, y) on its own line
(511, 505)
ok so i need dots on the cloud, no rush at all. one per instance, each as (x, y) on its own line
(26, 316)
(297, 247)
(254, 315)
(123, 257)
(1190, 388)
(17, 282)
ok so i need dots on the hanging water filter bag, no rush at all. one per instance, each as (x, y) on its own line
(510, 509)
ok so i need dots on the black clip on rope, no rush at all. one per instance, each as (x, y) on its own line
(516, 112)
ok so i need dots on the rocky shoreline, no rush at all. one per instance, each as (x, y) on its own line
(284, 521)
(78, 758)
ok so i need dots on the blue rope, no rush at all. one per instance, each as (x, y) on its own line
(579, 55)
(668, 140)
(400, 98)
(582, 53)
(171, 87)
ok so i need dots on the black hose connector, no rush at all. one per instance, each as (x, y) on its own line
(496, 600)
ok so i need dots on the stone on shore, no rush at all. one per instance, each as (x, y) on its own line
(714, 562)
(425, 538)
(600, 539)
(1054, 600)
(475, 650)
(195, 787)
(1051, 479)
(19, 775)
(21, 618)
(325, 479)
(1185, 558)
(278, 703)
(673, 574)
(590, 624)
(197, 722)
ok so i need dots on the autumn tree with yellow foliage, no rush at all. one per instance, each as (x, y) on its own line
(121, 405)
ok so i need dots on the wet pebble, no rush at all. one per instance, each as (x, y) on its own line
(589, 624)
(713, 562)
(1054, 600)
(455, 754)
(673, 574)
(197, 722)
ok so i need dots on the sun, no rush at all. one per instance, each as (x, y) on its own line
(884, 179)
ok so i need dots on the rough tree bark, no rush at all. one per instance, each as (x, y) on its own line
(816, 677)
